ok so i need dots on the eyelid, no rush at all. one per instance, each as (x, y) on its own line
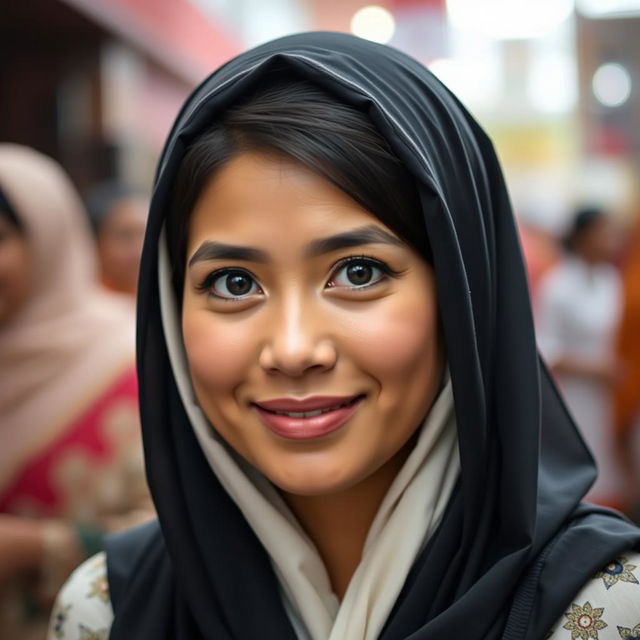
(379, 264)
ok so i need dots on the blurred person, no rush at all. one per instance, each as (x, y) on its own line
(626, 392)
(70, 455)
(577, 312)
(118, 215)
(15, 268)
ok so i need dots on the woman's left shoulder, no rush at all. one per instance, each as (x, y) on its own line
(83, 608)
(607, 607)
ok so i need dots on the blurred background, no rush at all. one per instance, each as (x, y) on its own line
(97, 83)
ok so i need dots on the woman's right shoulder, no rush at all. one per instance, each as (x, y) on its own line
(83, 606)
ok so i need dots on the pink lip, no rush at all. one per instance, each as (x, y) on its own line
(306, 428)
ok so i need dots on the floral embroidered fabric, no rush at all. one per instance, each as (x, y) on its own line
(607, 607)
(83, 607)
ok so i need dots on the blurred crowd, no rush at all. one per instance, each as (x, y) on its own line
(71, 464)
(585, 288)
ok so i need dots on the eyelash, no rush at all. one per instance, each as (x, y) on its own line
(387, 272)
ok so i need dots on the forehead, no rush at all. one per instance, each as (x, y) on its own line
(266, 197)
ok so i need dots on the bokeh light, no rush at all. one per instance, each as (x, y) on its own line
(373, 23)
(509, 19)
(611, 84)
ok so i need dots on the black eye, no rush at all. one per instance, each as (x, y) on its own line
(238, 284)
(359, 273)
(233, 284)
(356, 273)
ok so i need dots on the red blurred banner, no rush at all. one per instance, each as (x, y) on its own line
(174, 32)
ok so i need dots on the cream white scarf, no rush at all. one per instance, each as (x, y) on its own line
(408, 515)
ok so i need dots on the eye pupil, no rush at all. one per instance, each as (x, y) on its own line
(238, 284)
(359, 273)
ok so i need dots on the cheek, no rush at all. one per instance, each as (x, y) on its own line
(400, 341)
(116, 250)
(219, 353)
(107, 249)
(15, 269)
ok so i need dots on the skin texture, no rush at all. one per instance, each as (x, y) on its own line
(15, 270)
(120, 244)
(305, 330)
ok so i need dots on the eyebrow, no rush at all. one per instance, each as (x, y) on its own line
(370, 234)
(363, 235)
(218, 251)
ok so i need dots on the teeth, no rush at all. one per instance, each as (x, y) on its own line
(310, 414)
(299, 414)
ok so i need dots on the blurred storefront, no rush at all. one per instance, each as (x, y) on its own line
(97, 83)
(608, 48)
(555, 82)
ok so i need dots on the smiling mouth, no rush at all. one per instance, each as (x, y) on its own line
(308, 408)
(315, 412)
(305, 419)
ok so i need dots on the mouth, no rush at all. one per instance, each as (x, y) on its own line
(307, 408)
(314, 417)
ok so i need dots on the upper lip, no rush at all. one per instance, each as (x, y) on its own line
(307, 404)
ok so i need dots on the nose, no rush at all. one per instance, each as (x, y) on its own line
(297, 342)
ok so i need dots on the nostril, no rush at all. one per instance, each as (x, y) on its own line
(298, 359)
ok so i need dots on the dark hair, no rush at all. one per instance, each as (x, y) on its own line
(583, 220)
(301, 121)
(9, 213)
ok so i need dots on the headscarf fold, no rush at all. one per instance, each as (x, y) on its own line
(524, 468)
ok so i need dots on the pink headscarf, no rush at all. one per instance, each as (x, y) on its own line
(70, 340)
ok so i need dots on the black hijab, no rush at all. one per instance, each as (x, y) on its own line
(204, 574)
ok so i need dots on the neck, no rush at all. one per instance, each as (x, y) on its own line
(338, 523)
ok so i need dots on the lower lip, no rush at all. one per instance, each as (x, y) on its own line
(307, 428)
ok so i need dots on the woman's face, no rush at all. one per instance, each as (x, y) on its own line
(120, 243)
(600, 242)
(311, 330)
(15, 269)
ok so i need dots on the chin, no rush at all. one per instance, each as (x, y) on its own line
(311, 490)
(309, 481)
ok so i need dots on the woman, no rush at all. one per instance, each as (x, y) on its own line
(118, 215)
(578, 311)
(70, 463)
(329, 237)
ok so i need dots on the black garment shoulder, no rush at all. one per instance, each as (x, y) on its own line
(531, 612)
